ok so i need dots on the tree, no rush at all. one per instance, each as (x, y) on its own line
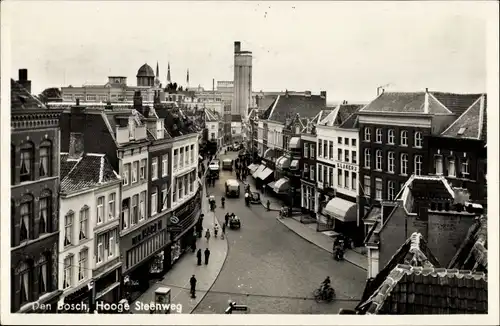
(50, 94)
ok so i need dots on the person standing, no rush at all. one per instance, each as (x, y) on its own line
(216, 230)
(223, 231)
(207, 235)
(198, 257)
(226, 219)
(192, 282)
(207, 255)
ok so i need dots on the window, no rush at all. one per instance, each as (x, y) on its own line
(331, 150)
(368, 134)
(43, 275)
(378, 159)
(27, 154)
(346, 141)
(418, 165)
(154, 168)
(379, 135)
(339, 154)
(320, 148)
(418, 139)
(142, 206)
(135, 210)
(438, 164)
(112, 206)
(176, 158)
(192, 181)
(100, 210)
(186, 156)
(390, 190)
(390, 162)
(313, 150)
(451, 168)
(68, 228)
(125, 213)
(186, 183)
(320, 173)
(390, 136)
(368, 156)
(339, 177)
(367, 186)
(154, 201)
(44, 211)
(312, 174)
(325, 149)
(82, 265)
(68, 272)
(135, 170)
(339, 140)
(346, 155)
(181, 187)
(181, 157)
(346, 179)
(164, 165)
(174, 191)
(84, 222)
(191, 153)
(378, 189)
(126, 174)
(306, 150)
(353, 142)
(353, 157)
(111, 244)
(44, 165)
(404, 138)
(465, 168)
(404, 164)
(24, 279)
(164, 197)
(325, 174)
(354, 181)
(100, 249)
(306, 168)
(143, 169)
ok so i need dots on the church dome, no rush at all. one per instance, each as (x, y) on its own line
(145, 71)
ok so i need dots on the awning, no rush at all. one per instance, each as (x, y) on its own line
(271, 184)
(269, 153)
(342, 210)
(294, 142)
(294, 165)
(283, 162)
(281, 186)
(259, 169)
(253, 167)
(263, 175)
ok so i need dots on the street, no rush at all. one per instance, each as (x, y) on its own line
(271, 269)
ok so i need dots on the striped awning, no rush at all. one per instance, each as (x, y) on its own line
(294, 143)
(269, 153)
(258, 170)
(264, 174)
(253, 167)
(281, 186)
(342, 210)
(283, 162)
(294, 164)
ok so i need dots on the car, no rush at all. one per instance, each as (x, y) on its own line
(234, 222)
(227, 164)
(236, 147)
(232, 188)
(215, 164)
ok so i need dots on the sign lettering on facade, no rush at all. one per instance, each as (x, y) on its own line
(348, 167)
(146, 232)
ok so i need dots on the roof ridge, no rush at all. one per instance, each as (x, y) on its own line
(459, 117)
(481, 116)
(439, 102)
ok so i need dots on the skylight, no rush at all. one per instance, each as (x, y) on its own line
(461, 131)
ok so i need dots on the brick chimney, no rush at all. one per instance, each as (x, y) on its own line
(23, 79)
(76, 147)
(322, 94)
(237, 46)
(138, 102)
(77, 124)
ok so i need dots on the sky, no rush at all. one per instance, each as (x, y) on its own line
(347, 49)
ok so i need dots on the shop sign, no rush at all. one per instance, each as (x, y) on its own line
(147, 231)
(348, 167)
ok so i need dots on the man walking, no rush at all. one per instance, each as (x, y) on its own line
(198, 257)
(207, 255)
(192, 282)
(226, 218)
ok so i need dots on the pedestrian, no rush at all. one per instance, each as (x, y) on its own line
(192, 282)
(193, 243)
(268, 204)
(226, 218)
(223, 230)
(207, 255)
(198, 257)
(207, 235)
(216, 230)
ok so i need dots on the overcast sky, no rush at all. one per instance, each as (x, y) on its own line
(347, 49)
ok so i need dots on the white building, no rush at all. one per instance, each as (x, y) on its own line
(215, 127)
(337, 166)
(89, 220)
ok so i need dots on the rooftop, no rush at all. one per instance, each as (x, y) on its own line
(471, 124)
(288, 105)
(22, 100)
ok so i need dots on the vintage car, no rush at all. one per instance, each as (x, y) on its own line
(234, 222)
(227, 164)
(255, 198)
(232, 188)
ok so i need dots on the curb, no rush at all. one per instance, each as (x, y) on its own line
(327, 250)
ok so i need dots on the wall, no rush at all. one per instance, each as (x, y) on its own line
(158, 150)
(213, 128)
(274, 135)
(179, 142)
(352, 167)
(392, 236)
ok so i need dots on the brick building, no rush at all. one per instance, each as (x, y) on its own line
(34, 234)
(393, 131)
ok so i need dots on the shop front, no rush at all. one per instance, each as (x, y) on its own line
(343, 215)
(106, 284)
(181, 227)
(142, 255)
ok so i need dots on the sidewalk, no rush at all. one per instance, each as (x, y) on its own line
(309, 233)
(275, 203)
(177, 279)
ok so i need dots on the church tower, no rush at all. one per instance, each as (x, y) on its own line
(169, 80)
(157, 78)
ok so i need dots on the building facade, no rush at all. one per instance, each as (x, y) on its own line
(308, 171)
(34, 234)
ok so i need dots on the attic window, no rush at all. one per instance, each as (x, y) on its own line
(461, 131)
(23, 99)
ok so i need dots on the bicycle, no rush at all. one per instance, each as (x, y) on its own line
(324, 295)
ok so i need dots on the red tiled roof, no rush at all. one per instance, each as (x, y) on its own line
(89, 171)
(416, 290)
(289, 105)
(470, 124)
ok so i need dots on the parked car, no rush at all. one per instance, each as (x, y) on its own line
(232, 188)
(227, 164)
(236, 147)
(234, 222)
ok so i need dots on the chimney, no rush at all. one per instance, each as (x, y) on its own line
(426, 90)
(286, 93)
(322, 94)
(138, 101)
(23, 79)
(307, 93)
(77, 118)
(237, 46)
(76, 147)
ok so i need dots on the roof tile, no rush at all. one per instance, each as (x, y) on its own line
(397, 102)
(289, 105)
(21, 99)
(468, 124)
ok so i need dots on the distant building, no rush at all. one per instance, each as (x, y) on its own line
(242, 92)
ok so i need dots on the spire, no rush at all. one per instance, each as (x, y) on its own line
(168, 74)
(157, 70)
(187, 78)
